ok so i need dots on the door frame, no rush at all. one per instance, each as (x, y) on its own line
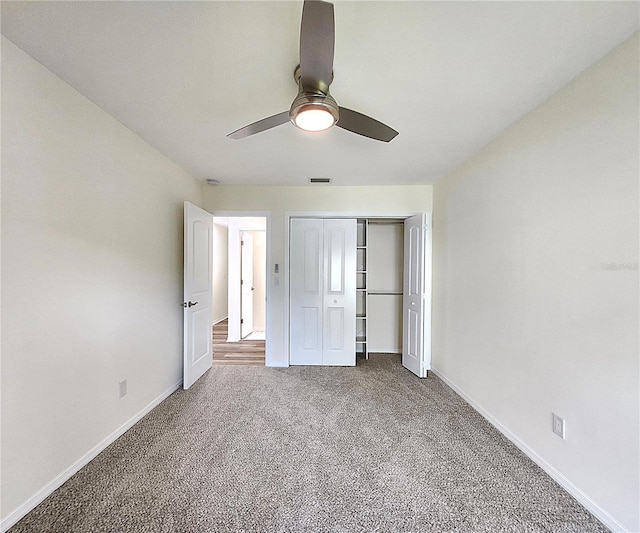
(426, 325)
(268, 236)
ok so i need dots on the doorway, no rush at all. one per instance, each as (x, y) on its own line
(239, 290)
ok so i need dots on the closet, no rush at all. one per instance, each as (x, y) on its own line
(385, 254)
(322, 283)
(358, 287)
(379, 286)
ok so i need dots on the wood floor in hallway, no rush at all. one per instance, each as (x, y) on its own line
(244, 352)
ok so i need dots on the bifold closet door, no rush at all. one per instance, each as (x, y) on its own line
(322, 292)
(306, 285)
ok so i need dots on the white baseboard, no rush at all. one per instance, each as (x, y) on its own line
(587, 502)
(218, 320)
(16, 515)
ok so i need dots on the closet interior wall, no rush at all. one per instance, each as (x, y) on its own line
(385, 268)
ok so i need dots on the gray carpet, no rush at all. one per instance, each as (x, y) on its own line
(370, 448)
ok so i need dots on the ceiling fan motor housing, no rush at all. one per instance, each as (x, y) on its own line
(312, 98)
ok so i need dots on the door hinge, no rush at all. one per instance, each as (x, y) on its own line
(241, 243)
(242, 321)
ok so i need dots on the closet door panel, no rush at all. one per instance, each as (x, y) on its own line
(311, 266)
(335, 245)
(306, 292)
(340, 292)
(335, 329)
(413, 330)
(310, 322)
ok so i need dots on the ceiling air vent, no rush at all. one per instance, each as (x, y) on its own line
(319, 180)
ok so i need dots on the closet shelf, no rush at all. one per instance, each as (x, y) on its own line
(361, 286)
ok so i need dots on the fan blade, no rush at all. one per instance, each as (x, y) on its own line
(364, 125)
(317, 35)
(261, 125)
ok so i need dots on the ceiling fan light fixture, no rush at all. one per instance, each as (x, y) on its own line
(311, 112)
(312, 118)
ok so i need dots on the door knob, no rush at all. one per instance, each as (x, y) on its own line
(189, 304)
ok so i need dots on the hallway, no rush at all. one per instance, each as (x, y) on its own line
(244, 352)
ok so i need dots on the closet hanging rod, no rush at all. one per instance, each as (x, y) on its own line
(384, 293)
(386, 222)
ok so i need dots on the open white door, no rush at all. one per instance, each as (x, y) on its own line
(413, 301)
(246, 284)
(198, 274)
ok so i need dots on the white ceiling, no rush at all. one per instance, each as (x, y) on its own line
(449, 76)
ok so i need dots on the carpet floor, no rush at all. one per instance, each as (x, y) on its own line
(367, 448)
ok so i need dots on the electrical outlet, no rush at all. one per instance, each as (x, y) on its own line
(558, 425)
(123, 388)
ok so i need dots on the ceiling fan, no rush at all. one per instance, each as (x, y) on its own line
(314, 109)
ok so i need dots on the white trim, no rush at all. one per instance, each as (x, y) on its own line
(217, 321)
(285, 293)
(427, 292)
(17, 514)
(555, 474)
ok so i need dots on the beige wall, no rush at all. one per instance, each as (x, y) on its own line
(362, 200)
(530, 317)
(325, 200)
(91, 277)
